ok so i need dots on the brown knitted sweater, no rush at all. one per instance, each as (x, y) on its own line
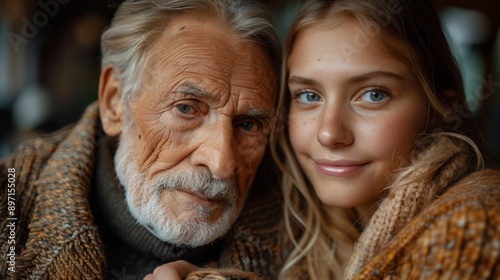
(456, 237)
(52, 234)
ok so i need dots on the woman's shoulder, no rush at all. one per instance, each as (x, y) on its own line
(477, 190)
(478, 185)
(473, 200)
(455, 236)
(470, 205)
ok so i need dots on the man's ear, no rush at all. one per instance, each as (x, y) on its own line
(110, 102)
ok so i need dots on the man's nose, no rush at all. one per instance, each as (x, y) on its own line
(217, 151)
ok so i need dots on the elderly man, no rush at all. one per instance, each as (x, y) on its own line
(159, 169)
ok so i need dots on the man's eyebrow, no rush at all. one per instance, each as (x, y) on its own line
(189, 88)
(262, 114)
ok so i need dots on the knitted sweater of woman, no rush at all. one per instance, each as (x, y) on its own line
(48, 229)
(456, 237)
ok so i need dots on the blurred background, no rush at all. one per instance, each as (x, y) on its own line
(50, 61)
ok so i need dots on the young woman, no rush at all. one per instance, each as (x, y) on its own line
(383, 174)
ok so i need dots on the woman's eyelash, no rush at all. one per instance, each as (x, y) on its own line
(377, 87)
(297, 93)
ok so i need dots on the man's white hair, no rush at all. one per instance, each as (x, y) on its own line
(125, 44)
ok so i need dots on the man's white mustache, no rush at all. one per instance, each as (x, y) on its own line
(200, 181)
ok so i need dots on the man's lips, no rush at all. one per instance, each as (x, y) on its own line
(339, 168)
(202, 198)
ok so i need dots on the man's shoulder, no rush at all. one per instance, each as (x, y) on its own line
(47, 158)
(50, 187)
(42, 146)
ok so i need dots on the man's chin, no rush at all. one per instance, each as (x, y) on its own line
(190, 225)
(196, 232)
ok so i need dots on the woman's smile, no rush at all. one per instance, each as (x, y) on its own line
(339, 168)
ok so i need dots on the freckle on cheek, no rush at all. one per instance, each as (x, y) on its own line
(140, 136)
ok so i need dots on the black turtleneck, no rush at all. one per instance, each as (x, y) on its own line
(131, 250)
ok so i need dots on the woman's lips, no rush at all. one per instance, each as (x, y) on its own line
(339, 168)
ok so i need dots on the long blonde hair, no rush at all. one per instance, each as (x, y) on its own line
(313, 245)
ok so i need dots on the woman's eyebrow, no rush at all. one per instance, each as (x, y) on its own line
(352, 80)
(372, 75)
(302, 81)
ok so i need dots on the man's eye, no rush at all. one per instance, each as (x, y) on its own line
(249, 126)
(184, 108)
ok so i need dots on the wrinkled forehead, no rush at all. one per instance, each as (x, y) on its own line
(200, 47)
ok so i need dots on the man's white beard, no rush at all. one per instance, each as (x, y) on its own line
(194, 228)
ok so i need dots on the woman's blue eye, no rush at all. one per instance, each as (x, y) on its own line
(374, 96)
(309, 97)
(183, 108)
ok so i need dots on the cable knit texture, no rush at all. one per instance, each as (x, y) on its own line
(419, 233)
(456, 237)
(56, 236)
